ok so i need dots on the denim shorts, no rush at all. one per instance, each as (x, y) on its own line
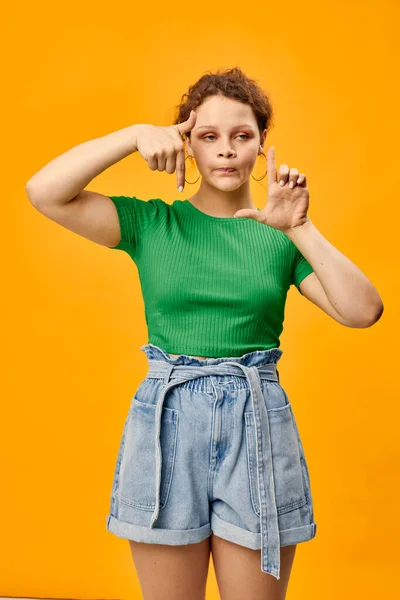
(212, 446)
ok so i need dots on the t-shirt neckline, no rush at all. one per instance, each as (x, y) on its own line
(203, 214)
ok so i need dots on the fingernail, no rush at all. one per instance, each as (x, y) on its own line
(281, 183)
(180, 188)
(291, 184)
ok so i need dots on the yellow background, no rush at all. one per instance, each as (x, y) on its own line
(72, 312)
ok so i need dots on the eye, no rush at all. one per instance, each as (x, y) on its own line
(241, 134)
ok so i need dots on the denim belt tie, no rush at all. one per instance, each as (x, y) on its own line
(270, 538)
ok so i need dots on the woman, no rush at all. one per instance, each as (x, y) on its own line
(211, 457)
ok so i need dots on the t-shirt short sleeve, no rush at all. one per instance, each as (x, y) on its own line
(135, 216)
(301, 268)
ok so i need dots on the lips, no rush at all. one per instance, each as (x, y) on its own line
(229, 170)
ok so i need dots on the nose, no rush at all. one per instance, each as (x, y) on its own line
(227, 152)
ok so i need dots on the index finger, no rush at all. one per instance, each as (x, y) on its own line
(180, 168)
(271, 165)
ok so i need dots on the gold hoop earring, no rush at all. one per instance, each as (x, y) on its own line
(264, 173)
(191, 182)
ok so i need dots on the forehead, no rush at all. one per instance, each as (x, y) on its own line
(224, 111)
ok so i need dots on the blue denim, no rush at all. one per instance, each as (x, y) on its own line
(212, 446)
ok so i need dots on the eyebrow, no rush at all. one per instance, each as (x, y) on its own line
(216, 126)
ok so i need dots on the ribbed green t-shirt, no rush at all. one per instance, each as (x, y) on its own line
(212, 286)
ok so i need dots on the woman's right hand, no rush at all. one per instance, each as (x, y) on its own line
(163, 147)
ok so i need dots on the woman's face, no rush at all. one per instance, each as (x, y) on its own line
(225, 134)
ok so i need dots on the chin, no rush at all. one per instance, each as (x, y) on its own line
(222, 183)
(226, 188)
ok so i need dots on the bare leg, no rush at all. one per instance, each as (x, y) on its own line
(238, 572)
(172, 572)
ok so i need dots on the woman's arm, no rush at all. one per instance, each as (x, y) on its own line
(63, 178)
(348, 290)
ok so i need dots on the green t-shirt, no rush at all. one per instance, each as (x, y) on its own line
(212, 286)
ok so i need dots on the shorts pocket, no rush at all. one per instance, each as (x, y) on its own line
(137, 474)
(306, 473)
(290, 492)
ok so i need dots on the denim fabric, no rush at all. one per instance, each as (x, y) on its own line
(212, 446)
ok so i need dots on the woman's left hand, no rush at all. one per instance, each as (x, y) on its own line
(287, 206)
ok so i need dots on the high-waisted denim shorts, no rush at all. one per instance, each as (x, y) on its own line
(212, 446)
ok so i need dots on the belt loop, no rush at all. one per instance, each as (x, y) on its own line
(168, 370)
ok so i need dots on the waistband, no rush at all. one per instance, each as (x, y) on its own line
(174, 374)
